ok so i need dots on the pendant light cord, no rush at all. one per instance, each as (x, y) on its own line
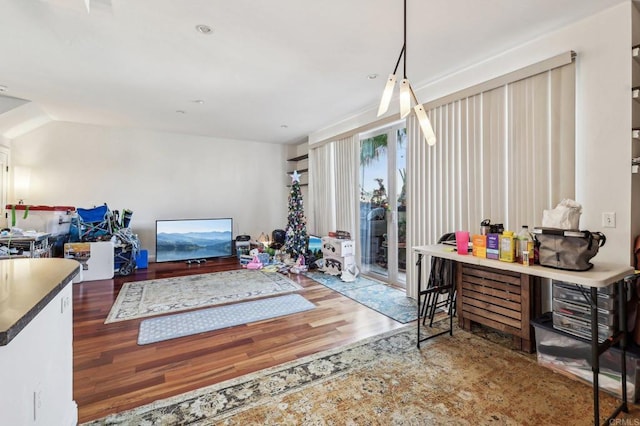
(404, 45)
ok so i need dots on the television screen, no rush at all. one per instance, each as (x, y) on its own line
(190, 239)
(314, 244)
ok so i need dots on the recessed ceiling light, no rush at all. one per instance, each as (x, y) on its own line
(3, 88)
(284, 126)
(204, 29)
(372, 76)
(180, 111)
(198, 101)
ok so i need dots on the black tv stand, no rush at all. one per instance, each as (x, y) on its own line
(198, 261)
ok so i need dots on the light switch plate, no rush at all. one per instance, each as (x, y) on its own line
(609, 220)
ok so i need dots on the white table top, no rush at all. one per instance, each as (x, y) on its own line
(601, 275)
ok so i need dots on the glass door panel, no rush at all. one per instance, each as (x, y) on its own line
(383, 204)
(373, 203)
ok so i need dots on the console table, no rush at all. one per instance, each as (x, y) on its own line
(506, 275)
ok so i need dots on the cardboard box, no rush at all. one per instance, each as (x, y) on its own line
(493, 246)
(334, 265)
(96, 258)
(337, 247)
(479, 245)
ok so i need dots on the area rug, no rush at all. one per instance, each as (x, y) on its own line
(385, 380)
(202, 320)
(152, 297)
(382, 298)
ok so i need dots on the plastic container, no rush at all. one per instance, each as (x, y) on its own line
(581, 328)
(610, 290)
(571, 357)
(54, 220)
(604, 300)
(583, 312)
(507, 247)
(462, 242)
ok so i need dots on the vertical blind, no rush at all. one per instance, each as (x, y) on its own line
(505, 154)
(334, 187)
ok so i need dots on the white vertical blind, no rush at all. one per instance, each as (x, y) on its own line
(504, 154)
(321, 169)
(346, 167)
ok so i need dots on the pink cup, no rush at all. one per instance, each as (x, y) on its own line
(462, 242)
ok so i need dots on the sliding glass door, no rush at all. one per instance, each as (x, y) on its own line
(383, 203)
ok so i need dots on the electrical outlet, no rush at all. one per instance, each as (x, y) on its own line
(609, 220)
(64, 304)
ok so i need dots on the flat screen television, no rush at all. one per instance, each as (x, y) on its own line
(191, 239)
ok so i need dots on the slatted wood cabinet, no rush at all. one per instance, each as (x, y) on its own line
(503, 300)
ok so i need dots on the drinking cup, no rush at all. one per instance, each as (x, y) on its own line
(462, 242)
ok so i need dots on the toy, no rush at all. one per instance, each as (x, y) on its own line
(300, 266)
(254, 264)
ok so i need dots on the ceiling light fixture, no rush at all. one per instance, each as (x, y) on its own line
(406, 93)
(3, 88)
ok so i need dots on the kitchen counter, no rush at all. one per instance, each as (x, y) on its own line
(26, 287)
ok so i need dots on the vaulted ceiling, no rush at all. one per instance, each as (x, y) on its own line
(270, 71)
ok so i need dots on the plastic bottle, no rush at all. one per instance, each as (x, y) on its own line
(507, 247)
(524, 247)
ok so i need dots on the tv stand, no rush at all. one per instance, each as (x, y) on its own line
(198, 261)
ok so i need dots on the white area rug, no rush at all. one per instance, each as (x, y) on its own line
(153, 297)
(167, 327)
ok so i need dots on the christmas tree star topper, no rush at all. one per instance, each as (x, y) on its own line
(295, 177)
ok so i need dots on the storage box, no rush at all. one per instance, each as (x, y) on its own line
(574, 295)
(54, 220)
(493, 246)
(336, 247)
(142, 259)
(96, 259)
(583, 312)
(334, 265)
(571, 356)
(479, 245)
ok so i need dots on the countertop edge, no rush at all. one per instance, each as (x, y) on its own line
(7, 336)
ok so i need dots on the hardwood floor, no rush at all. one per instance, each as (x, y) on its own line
(112, 373)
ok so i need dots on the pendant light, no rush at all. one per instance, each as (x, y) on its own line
(406, 93)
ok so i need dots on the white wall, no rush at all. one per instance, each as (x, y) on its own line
(603, 114)
(157, 175)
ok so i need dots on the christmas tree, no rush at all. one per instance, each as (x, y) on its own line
(296, 237)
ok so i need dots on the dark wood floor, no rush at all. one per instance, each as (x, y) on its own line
(112, 373)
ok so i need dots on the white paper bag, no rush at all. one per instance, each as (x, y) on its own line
(566, 215)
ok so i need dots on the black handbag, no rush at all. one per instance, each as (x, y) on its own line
(567, 249)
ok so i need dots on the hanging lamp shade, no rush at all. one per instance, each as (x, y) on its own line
(405, 98)
(385, 101)
(425, 125)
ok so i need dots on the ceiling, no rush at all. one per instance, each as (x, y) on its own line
(270, 71)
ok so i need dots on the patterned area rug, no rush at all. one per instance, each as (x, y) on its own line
(459, 380)
(147, 298)
(185, 324)
(385, 299)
